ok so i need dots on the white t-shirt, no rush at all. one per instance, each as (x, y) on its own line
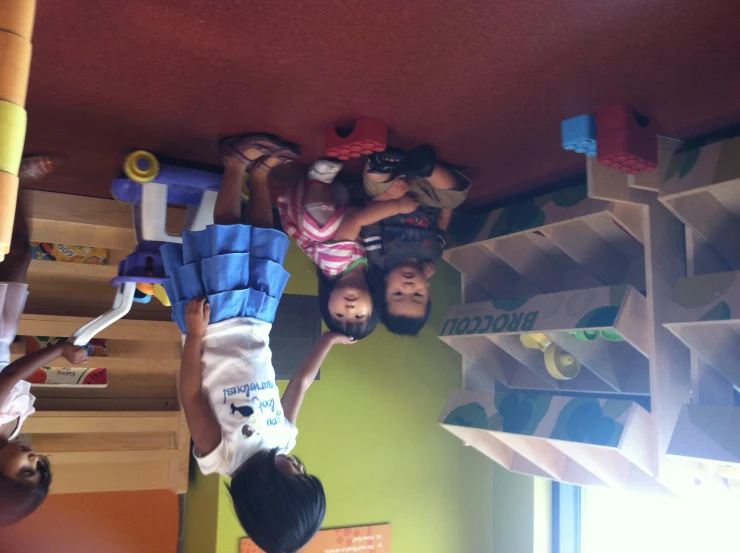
(17, 406)
(239, 381)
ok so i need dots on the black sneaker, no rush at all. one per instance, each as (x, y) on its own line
(385, 162)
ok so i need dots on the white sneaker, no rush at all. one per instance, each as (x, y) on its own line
(324, 170)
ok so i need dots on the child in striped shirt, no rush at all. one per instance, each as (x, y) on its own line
(328, 234)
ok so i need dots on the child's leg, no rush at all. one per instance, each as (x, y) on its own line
(259, 208)
(443, 178)
(228, 202)
(15, 266)
(258, 153)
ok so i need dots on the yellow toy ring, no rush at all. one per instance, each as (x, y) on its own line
(560, 364)
(141, 166)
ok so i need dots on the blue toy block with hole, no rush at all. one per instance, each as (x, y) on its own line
(579, 134)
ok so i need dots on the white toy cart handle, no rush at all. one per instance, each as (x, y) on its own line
(121, 306)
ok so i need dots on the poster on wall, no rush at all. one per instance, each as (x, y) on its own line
(365, 539)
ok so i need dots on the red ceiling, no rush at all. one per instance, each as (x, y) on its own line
(486, 81)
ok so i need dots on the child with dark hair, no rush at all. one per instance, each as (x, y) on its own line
(403, 249)
(225, 283)
(328, 234)
(24, 476)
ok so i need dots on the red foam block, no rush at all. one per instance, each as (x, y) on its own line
(368, 135)
(627, 140)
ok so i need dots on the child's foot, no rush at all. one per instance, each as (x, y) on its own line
(324, 170)
(252, 148)
(280, 157)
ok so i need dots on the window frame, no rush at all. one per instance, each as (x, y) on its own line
(566, 518)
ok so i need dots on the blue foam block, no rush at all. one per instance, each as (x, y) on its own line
(579, 134)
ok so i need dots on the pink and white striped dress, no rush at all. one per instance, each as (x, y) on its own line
(332, 258)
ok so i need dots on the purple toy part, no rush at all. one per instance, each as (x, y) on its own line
(117, 281)
(185, 186)
(143, 265)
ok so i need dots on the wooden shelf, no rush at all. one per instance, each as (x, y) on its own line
(82, 221)
(124, 329)
(76, 271)
(120, 363)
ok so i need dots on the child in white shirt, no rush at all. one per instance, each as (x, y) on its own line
(225, 283)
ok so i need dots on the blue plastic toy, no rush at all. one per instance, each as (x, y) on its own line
(579, 134)
(150, 188)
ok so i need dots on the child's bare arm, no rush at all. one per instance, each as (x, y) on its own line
(444, 218)
(202, 423)
(372, 213)
(24, 367)
(306, 373)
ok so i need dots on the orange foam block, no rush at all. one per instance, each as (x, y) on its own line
(368, 135)
(8, 199)
(15, 63)
(16, 16)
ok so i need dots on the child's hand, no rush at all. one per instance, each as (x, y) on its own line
(338, 338)
(428, 269)
(398, 189)
(197, 315)
(74, 354)
(407, 204)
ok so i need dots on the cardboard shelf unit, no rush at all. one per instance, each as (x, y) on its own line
(668, 240)
(701, 187)
(540, 436)
(488, 335)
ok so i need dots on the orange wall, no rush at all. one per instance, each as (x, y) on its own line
(120, 522)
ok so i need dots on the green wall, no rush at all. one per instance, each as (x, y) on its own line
(522, 513)
(369, 430)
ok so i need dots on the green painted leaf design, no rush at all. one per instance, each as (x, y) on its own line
(496, 422)
(599, 317)
(689, 161)
(518, 217)
(568, 197)
(682, 164)
(720, 312)
(614, 408)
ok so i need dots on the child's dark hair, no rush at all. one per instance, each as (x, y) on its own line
(404, 326)
(18, 500)
(279, 512)
(358, 331)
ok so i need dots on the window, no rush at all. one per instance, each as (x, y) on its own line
(603, 520)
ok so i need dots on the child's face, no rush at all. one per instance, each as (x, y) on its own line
(289, 465)
(350, 301)
(407, 291)
(19, 462)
